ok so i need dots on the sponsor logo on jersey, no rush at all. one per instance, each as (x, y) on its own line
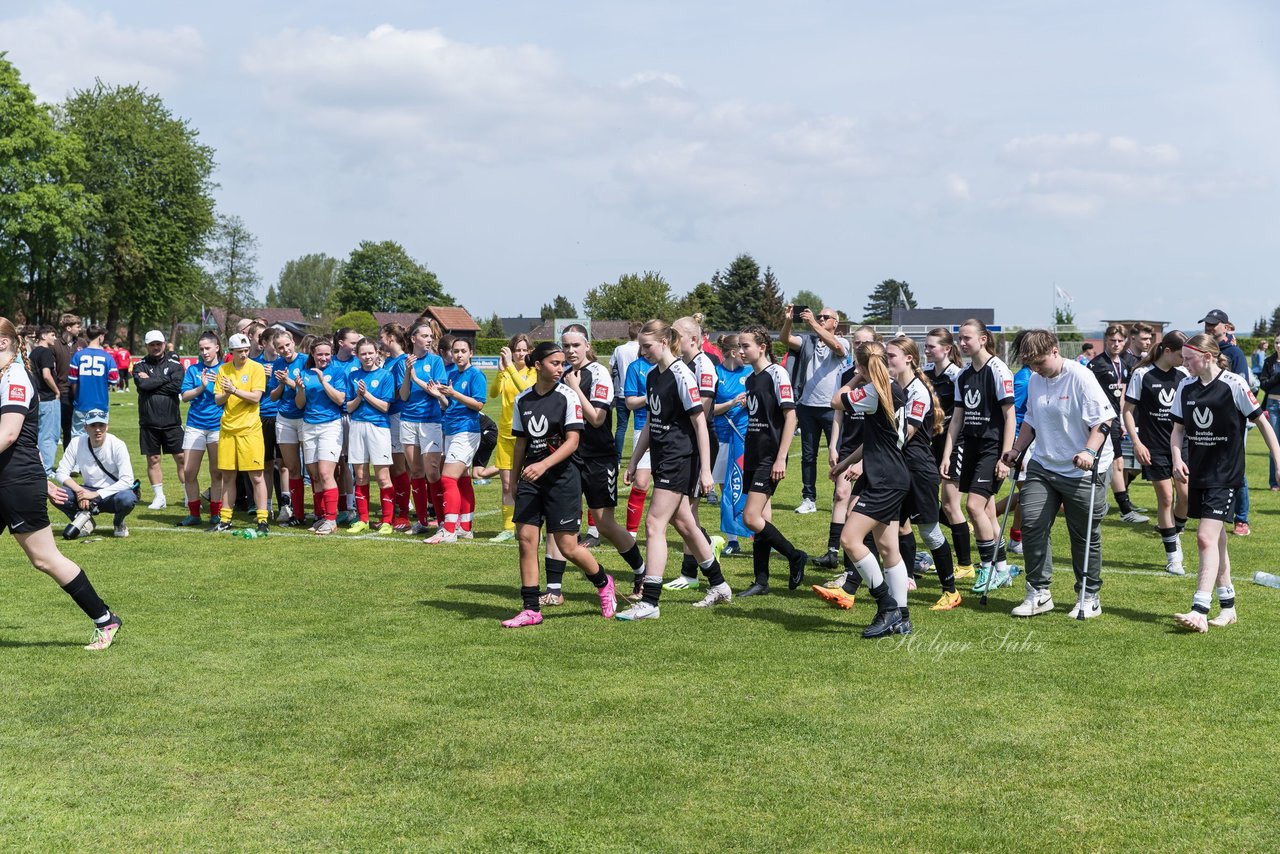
(1008, 386)
(536, 425)
(244, 378)
(972, 399)
(602, 391)
(18, 393)
(917, 409)
(655, 405)
(1166, 396)
(784, 392)
(1252, 399)
(752, 404)
(706, 381)
(1203, 418)
(577, 411)
(858, 394)
(694, 397)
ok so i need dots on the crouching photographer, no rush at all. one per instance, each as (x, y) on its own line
(109, 487)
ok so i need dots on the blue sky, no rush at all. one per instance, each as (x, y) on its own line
(983, 152)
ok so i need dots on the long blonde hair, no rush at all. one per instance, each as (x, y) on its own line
(8, 330)
(875, 367)
(660, 329)
(911, 351)
(1202, 342)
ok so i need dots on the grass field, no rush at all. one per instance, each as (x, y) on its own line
(357, 693)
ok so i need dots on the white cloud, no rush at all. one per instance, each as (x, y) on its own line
(958, 188)
(1089, 147)
(63, 48)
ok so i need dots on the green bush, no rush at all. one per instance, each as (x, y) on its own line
(360, 321)
(604, 347)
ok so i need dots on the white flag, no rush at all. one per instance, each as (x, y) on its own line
(1063, 295)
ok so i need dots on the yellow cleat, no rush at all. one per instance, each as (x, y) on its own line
(966, 571)
(948, 601)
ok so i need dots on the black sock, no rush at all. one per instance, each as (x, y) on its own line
(1170, 538)
(906, 611)
(637, 581)
(529, 596)
(81, 591)
(870, 542)
(907, 547)
(1122, 499)
(833, 536)
(779, 543)
(962, 542)
(715, 576)
(1179, 525)
(705, 535)
(946, 569)
(987, 551)
(1002, 556)
(555, 572)
(632, 557)
(275, 484)
(689, 566)
(652, 590)
(760, 561)
(884, 599)
(600, 579)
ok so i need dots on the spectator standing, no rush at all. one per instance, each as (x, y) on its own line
(158, 380)
(619, 362)
(63, 349)
(104, 466)
(44, 369)
(1217, 324)
(124, 360)
(91, 376)
(1086, 353)
(1269, 383)
(820, 357)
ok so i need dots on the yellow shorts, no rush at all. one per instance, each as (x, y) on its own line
(246, 452)
(505, 452)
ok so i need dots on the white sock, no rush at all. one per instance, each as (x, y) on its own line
(592, 532)
(158, 489)
(896, 576)
(869, 569)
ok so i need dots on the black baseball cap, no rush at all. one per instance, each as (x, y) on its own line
(1215, 316)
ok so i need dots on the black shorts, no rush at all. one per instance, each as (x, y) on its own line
(677, 474)
(488, 441)
(760, 479)
(938, 443)
(556, 499)
(882, 503)
(1212, 502)
(599, 481)
(24, 506)
(978, 459)
(713, 444)
(271, 451)
(921, 503)
(1161, 468)
(160, 440)
(1117, 438)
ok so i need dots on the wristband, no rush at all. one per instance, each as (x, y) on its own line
(1091, 452)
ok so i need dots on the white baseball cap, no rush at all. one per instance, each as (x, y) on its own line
(238, 342)
(153, 337)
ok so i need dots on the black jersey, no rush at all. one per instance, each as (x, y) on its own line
(597, 385)
(1151, 392)
(20, 462)
(980, 397)
(1214, 417)
(918, 411)
(704, 371)
(944, 386)
(1113, 374)
(673, 398)
(545, 420)
(883, 461)
(850, 421)
(769, 396)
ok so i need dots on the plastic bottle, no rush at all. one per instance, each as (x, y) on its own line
(1266, 579)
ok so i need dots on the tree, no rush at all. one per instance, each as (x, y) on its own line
(740, 295)
(1063, 316)
(140, 257)
(360, 321)
(382, 277)
(887, 295)
(635, 296)
(232, 259)
(809, 298)
(306, 283)
(560, 307)
(701, 299)
(493, 327)
(1275, 322)
(43, 208)
(771, 305)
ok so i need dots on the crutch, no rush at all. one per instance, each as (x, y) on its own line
(1088, 541)
(1008, 505)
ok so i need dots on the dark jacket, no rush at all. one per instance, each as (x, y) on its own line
(159, 381)
(1269, 379)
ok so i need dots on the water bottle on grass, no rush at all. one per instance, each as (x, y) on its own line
(1266, 579)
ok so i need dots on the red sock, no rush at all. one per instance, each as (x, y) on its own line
(388, 499)
(362, 501)
(1016, 535)
(468, 502)
(635, 509)
(436, 492)
(331, 504)
(591, 519)
(402, 488)
(215, 509)
(452, 502)
(419, 487)
(193, 507)
(297, 496)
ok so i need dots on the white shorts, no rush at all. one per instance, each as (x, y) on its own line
(368, 443)
(289, 430)
(721, 464)
(428, 437)
(643, 463)
(346, 432)
(194, 439)
(461, 447)
(321, 442)
(396, 446)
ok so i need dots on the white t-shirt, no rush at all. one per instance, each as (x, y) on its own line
(1062, 410)
(821, 381)
(620, 361)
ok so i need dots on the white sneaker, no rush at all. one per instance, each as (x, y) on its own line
(1092, 608)
(681, 582)
(285, 514)
(807, 506)
(122, 530)
(1037, 602)
(1133, 516)
(1192, 620)
(1226, 617)
(441, 536)
(1014, 547)
(1174, 566)
(638, 611)
(159, 502)
(720, 595)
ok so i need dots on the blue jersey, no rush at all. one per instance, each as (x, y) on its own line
(378, 383)
(634, 386)
(204, 413)
(422, 408)
(267, 408)
(320, 408)
(295, 370)
(94, 372)
(1020, 380)
(395, 367)
(460, 418)
(732, 384)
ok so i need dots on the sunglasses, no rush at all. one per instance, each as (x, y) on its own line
(826, 317)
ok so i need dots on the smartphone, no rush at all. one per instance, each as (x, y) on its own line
(798, 310)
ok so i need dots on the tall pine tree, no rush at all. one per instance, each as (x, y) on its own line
(740, 295)
(887, 295)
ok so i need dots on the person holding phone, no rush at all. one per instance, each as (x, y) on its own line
(819, 357)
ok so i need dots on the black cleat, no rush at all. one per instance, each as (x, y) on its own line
(884, 624)
(219, 527)
(264, 528)
(796, 578)
(588, 541)
(831, 560)
(295, 522)
(756, 589)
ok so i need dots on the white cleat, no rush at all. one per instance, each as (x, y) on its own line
(1174, 566)
(158, 503)
(638, 611)
(1193, 620)
(808, 505)
(1226, 617)
(718, 595)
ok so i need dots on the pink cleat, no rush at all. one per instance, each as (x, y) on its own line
(608, 600)
(524, 618)
(1193, 620)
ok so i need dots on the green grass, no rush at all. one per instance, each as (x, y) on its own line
(358, 694)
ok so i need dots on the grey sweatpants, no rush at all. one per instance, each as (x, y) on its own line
(1041, 495)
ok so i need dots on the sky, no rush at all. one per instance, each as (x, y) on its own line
(986, 152)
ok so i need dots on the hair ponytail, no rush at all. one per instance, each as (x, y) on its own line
(875, 367)
(664, 332)
(1171, 341)
(761, 335)
(542, 351)
(1206, 344)
(943, 334)
(989, 343)
(912, 351)
(8, 330)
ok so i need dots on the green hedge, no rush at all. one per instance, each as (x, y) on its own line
(604, 347)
